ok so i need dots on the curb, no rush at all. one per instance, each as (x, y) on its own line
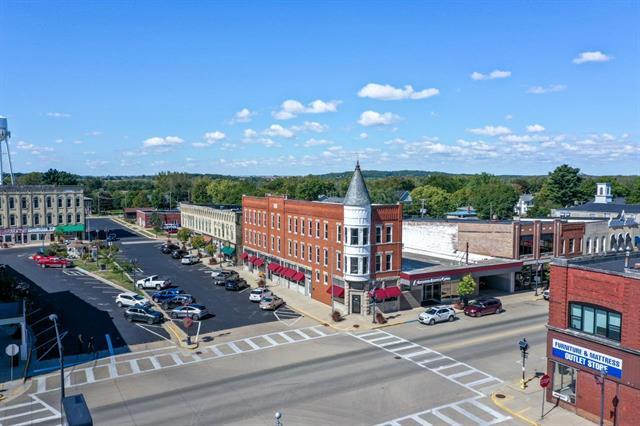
(15, 392)
(127, 225)
(512, 412)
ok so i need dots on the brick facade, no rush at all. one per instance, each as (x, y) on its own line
(591, 282)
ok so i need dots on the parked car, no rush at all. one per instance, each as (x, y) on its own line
(195, 312)
(178, 300)
(545, 294)
(168, 248)
(130, 299)
(235, 285)
(190, 259)
(479, 307)
(223, 277)
(217, 272)
(112, 237)
(161, 295)
(257, 294)
(143, 313)
(38, 256)
(153, 282)
(54, 262)
(271, 303)
(437, 314)
(178, 254)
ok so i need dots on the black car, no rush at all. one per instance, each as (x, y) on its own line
(142, 313)
(168, 248)
(235, 285)
(178, 254)
(178, 300)
(112, 237)
(224, 276)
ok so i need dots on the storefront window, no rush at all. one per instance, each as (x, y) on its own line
(526, 245)
(595, 320)
(546, 243)
(564, 383)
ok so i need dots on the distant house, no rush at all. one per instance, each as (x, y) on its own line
(403, 197)
(604, 206)
(525, 202)
(130, 212)
(467, 212)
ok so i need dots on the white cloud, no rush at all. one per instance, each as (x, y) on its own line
(291, 108)
(595, 56)
(58, 115)
(311, 126)
(277, 130)
(200, 145)
(534, 128)
(373, 118)
(243, 116)
(78, 142)
(59, 140)
(490, 131)
(94, 164)
(396, 141)
(250, 133)
(24, 145)
(162, 143)
(524, 138)
(491, 76)
(508, 117)
(159, 163)
(317, 142)
(363, 135)
(389, 93)
(213, 137)
(540, 90)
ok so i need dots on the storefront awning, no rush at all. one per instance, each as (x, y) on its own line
(251, 259)
(258, 262)
(385, 293)
(392, 292)
(228, 251)
(278, 270)
(289, 273)
(273, 266)
(336, 291)
(298, 276)
(378, 294)
(78, 227)
(244, 255)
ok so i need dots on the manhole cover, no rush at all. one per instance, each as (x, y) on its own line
(356, 326)
(499, 396)
(397, 357)
(198, 352)
(325, 324)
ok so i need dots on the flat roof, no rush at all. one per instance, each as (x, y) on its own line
(611, 263)
(461, 269)
(215, 206)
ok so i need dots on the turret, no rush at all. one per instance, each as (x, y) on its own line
(357, 230)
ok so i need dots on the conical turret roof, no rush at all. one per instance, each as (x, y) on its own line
(357, 194)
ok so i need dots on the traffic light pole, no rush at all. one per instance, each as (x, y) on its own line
(524, 346)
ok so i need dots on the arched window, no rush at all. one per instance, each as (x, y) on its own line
(588, 246)
(614, 245)
(603, 244)
(620, 242)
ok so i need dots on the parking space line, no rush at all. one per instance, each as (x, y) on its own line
(250, 343)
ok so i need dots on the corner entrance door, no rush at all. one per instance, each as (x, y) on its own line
(355, 303)
(431, 294)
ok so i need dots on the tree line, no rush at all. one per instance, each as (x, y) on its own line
(439, 193)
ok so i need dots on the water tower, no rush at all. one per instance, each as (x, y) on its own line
(5, 134)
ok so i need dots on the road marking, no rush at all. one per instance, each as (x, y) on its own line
(134, 366)
(393, 342)
(88, 372)
(302, 334)
(216, 351)
(42, 384)
(25, 404)
(412, 354)
(176, 358)
(270, 340)
(444, 367)
(287, 338)
(481, 381)
(153, 332)
(402, 348)
(444, 418)
(155, 362)
(234, 347)
(464, 373)
(367, 334)
(315, 328)
(13, 416)
(250, 343)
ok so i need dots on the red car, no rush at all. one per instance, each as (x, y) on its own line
(479, 307)
(38, 256)
(53, 262)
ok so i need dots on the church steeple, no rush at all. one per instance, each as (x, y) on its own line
(357, 194)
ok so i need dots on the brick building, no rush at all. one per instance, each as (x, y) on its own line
(167, 217)
(337, 252)
(594, 324)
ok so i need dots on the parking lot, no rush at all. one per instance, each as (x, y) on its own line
(231, 309)
(83, 304)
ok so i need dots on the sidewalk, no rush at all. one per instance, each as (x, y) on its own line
(526, 405)
(135, 228)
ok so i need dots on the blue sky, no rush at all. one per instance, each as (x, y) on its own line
(250, 88)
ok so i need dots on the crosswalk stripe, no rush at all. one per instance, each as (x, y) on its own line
(431, 360)
(155, 362)
(481, 381)
(395, 342)
(362, 336)
(444, 418)
(25, 404)
(88, 373)
(489, 410)
(318, 331)
(422, 352)
(467, 414)
(134, 366)
(42, 384)
(287, 338)
(176, 358)
(216, 351)
(402, 348)
(270, 340)
(196, 357)
(377, 339)
(250, 343)
(234, 347)
(420, 420)
(112, 370)
(464, 373)
(302, 334)
(13, 416)
(444, 367)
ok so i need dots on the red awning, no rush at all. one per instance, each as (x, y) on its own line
(258, 262)
(278, 270)
(336, 291)
(392, 292)
(379, 294)
(289, 273)
(244, 255)
(299, 276)
(251, 259)
(273, 266)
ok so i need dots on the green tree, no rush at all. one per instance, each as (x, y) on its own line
(311, 187)
(227, 191)
(33, 178)
(156, 222)
(462, 197)
(563, 185)
(494, 199)
(199, 194)
(466, 288)
(56, 177)
(139, 199)
(437, 201)
(211, 249)
(634, 192)
(183, 235)
(198, 242)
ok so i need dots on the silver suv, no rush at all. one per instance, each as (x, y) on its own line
(437, 314)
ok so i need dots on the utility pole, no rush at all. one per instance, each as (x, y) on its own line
(422, 209)
(600, 379)
(54, 318)
(524, 346)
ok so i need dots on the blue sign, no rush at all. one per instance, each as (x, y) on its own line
(586, 357)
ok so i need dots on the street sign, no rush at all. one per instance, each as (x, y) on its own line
(12, 349)
(524, 345)
(187, 322)
(545, 381)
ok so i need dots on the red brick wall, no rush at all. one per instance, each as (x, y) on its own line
(386, 215)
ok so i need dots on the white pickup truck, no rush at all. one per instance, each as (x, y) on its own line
(153, 282)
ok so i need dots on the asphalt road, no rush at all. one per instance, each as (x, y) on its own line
(231, 309)
(83, 304)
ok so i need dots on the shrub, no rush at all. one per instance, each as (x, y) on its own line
(336, 316)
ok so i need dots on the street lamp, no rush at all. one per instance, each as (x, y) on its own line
(524, 346)
(54, 318)
(600, 379)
